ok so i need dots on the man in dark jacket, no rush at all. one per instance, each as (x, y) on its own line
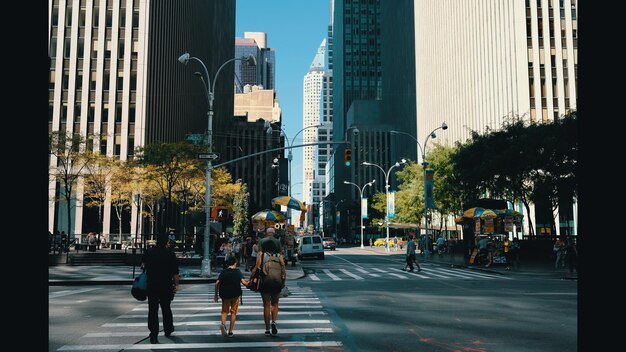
(162, 270)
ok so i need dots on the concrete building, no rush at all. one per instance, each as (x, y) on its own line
(478, 63)
(114, 72)
(248, 136)
(261, 74)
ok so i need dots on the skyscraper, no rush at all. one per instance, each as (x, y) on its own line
(114, 71)
(261, 74)
(312, 97)
(373, 92)
(479, 63)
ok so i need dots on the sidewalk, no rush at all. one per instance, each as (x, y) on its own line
(79, 275)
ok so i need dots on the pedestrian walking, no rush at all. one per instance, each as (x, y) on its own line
(571, 256)
(162, 270)
(559, 251)
(269, 243)
(247, 252)
(410, 254)
(228, 285)
(273, 277)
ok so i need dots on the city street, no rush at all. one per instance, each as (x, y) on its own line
(354, 300)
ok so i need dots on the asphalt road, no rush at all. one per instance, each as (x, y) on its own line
(354, 300)
(443, 309)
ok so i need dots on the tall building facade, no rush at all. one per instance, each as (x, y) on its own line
(112, 62)
(479, 63)
(311, 113)
(248, 135)
(261, 74)
(373, 94)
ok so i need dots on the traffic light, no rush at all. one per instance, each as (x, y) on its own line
(347, 156)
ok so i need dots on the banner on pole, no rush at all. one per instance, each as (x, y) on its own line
(391, 211)
(364, 208)
(428, 186)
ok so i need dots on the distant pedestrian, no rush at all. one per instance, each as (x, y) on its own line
(228, 285)
(371, 242)
(559, 251)
(270, 243)
(410, 254)
(162, 269)
(514, 252)
(571, 256)
(507, 252)
(247, 253)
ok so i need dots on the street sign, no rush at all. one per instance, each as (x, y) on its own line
(210, 156)
(194, 137)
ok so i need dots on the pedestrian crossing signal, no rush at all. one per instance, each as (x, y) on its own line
(347, 156)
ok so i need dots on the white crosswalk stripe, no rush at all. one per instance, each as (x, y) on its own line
(302, 323)
(427, 272)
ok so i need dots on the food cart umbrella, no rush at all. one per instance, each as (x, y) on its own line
(267, 214)
(488, 214)
(473, 212)
(289, 202)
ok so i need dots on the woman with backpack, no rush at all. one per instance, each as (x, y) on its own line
(273, 274)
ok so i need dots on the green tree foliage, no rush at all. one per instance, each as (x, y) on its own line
(98, 181)
(167, 163)
(378, 209)
(122, 191)
(521, 161)
(67, 161)
(240, 211)
(410, 196)
(446, 191)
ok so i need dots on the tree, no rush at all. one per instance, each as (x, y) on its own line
(167, 162)
(122, 192)
(98, 181)
(67, 161)
(188, 188)
(446, 191)
(240, 211)
(410, 195)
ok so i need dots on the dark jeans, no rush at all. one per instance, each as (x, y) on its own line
(163, 298)
(410, 258)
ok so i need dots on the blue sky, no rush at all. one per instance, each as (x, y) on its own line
(295, 30)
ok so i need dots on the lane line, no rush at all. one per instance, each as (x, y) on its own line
(332, 276)
(71, 292)
(398, 275)
(282, 306)
(314, 277)
(217, 314)
(179, 346)
(368, 273)
(410, 273)
(211, 332)
(351, 274)
(217, 322)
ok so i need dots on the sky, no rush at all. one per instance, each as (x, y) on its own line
(295, 29)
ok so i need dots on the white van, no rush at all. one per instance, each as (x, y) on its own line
(311, 246)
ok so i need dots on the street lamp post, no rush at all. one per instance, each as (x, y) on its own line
(361, 197)
(432, 134)
(386, 191)
(184, 59)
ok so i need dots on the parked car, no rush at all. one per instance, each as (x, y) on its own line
(329, 243)
(379, 242)
(311, 246)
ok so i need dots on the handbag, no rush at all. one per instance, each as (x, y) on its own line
(255, 281)
(139, 289)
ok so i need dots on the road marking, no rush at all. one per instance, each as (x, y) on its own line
(351, 274)
(398, 275)
(379, 270)
(408, 272)
(179, 346)
(212, 332)
(282, 306)
(251, 299)
(450, 272)
(70, 292)
(355, 264)
(365, 272)
(430, 272)
(551, 293)
(217, 314)
(217, 322)
(332, 276)
(314, 277)
(468, 271)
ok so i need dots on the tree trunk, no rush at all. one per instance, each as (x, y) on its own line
(531, 230)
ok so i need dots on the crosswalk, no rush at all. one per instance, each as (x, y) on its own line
(302, 323)
(389, 272)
